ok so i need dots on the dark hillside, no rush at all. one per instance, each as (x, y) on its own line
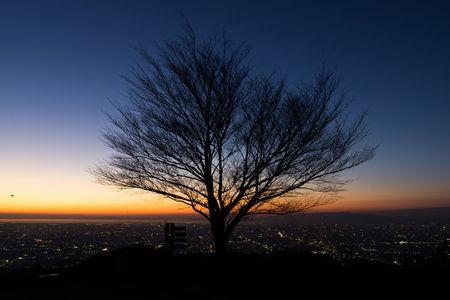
(143, 273)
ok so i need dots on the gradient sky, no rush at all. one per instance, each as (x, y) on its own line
(60, 62)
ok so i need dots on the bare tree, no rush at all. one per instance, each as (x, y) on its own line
(202, 129)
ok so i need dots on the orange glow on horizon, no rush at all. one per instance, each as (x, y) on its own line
(88, 200)
(62, 193)
(130, 204)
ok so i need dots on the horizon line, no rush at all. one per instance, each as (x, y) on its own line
(21, 215)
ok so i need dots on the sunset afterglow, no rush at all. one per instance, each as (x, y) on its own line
(60, 67)
(257, 149)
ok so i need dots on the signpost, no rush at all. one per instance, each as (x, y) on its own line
(175, 237)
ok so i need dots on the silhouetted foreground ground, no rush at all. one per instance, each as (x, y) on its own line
(142, 273)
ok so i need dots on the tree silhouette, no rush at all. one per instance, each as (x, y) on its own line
(203, 129)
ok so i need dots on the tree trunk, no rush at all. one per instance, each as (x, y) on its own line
(220, 244)
(219, 236)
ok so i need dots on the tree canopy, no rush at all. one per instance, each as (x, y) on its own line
(203, 128)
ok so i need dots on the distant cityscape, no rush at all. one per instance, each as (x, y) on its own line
(53, 244)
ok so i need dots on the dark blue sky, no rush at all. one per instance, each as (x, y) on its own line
(61, 60)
